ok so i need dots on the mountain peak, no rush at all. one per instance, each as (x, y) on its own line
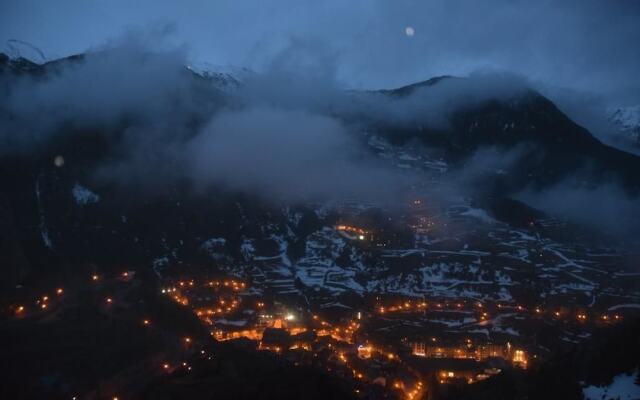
(227, 77)
(627, 120)
(412, 87)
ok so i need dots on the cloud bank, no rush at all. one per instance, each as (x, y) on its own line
(275, 136)
(583, 45)
(291, 133)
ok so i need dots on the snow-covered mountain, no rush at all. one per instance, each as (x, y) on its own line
(227, 78)
(627, 120)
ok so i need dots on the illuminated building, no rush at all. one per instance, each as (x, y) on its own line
(520, 358)
(423, 349)
(353, 233)
(478, 352)
(275, 339)
(491, 350)
(364, 352)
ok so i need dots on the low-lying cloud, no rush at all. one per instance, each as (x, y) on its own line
(605, 208)
(276, 135)
(290, 133)
(289, 154)
(125, 85)
(431, 106)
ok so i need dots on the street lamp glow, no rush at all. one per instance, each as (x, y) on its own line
(58, 161)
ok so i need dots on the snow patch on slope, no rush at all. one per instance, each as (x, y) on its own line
(84, 196)
(44, 232)
(623, 387)
(215, 247)
(480, 214)
(627, 120)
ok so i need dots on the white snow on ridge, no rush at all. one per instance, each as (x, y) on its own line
(504, 295)
(215, 242)
(626, 117)
(619, 306)
(319, 268)
(247, 249)
(215, 247)
(627, 121)
(160, 263)
(84, 196)
(480, 214)
(282, 246)
(227, 78)
(44, 232)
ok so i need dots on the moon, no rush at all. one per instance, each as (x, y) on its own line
(409, 31)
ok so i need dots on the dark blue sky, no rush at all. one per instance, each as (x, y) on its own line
(585, 45)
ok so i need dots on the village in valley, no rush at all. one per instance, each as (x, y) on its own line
(390, 340)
